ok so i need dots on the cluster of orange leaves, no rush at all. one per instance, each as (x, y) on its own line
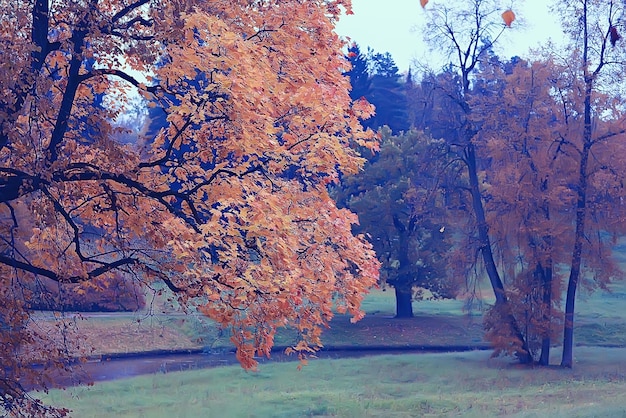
(227, 201)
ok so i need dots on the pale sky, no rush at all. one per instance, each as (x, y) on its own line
(394, 26)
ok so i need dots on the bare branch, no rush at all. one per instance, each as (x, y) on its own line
(126, 10)
(101, 72)
(41, 271)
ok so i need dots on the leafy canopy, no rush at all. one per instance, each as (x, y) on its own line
(402, 212)
(226, 203)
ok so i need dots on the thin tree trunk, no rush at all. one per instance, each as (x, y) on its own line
(568, 327)
(581, 207)
(404, 305)
(546, 282)
(485, 249)
(523, 355)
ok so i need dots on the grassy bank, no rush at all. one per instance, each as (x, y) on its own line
(423, 385)
(601, 320)
(162, 328)
(460, 384)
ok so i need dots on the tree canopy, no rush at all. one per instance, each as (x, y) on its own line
(226, 204)
(397, 198)
(536, 139)
(374, 76)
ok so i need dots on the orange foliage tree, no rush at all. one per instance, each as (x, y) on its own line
(226, 204)
(554, 134)
(595, 127)
(527, 193)
(467, 33)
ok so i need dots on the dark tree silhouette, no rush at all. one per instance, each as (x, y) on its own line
(403, 216)
(375, 77)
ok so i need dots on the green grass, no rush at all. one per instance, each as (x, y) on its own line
(382, 302)
(600, 320)
(426, 385)
(377, 328)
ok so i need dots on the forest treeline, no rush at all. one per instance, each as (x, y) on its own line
(505, 169)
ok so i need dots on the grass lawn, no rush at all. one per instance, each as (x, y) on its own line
(162, 329)
(421, 385)
(600, 320)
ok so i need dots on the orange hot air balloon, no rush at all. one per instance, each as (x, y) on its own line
(508, 16)
(423, 3)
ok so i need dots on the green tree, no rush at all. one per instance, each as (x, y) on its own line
(359, 73)
(400, 209)
(375, 77)
(387, 94)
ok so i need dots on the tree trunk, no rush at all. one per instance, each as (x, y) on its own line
(524, 356)
(568, 327)
(546, 276)
(404, 306)
(581, 207)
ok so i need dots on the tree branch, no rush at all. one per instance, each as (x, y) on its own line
(68, 219)
(101, 72)
(126, 10)
(40, 271)
(67, 102)
(607, 136)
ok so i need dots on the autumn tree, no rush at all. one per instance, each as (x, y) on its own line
(226, 204)
(400, 208)
(531, 129)
(526, 188)
(594, 126)
(467, 31)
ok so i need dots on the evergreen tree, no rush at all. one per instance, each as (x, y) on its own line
(388, 94)
(359, 73)
(402, 215)
(375, 77)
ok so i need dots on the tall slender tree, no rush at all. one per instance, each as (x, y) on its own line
(467, 31)
(526, 188)
(359, 73)
(594, 28)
